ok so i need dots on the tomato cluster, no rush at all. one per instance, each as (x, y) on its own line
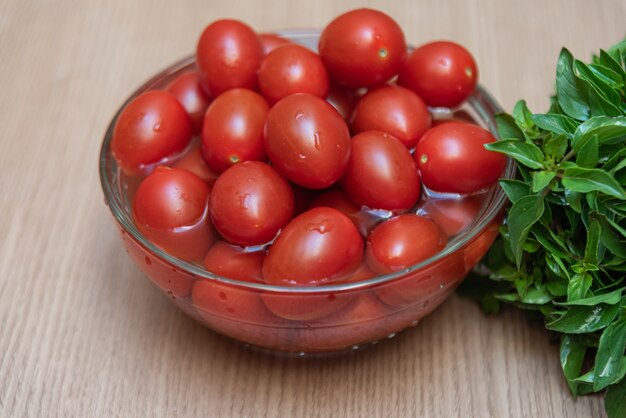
(272, 163)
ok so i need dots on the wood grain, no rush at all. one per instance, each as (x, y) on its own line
(83, 334)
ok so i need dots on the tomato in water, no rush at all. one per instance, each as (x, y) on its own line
(292, 69)
(233, 129)
(170, 208)
(395, 110)
(403, 241)
(317, 247)
(187, 88)
(443, 74)
(307, 141)
(381, 173)
(271, 41)
(304, 306)
(228, 56)
(452, 158)
(362, 48)
(250, 202)
(234, 263)
(337, 199)
(460, 116)
(342, 99)
(452, 215)
(151, 127)
(193, 161)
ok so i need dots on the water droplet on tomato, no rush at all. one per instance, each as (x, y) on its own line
(299, 115)
(322, 227)
(157, 127)
(316, 140)
(148, 261)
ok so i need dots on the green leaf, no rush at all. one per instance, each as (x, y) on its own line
(608, 129)
(555, 146)
(570, 97)
(584, 319)
(608, 76)
(610, 62)
(572, 356)
(542, 234)
(609, 235)
(534, 296)
(507, 128)
(523, 117)
(593, 241)
(558, 124)
(585, 180)
(614, 404)
(578, 286)
(604, 93)
(573, 199)
(618, 51)
(588, 154)
(611, 298)
(541, 179)
(522, 215)
(610, 354)
(524, 153)
(514, 189)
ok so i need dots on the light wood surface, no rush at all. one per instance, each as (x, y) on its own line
(82, 333)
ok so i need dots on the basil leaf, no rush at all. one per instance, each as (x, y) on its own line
(609, 130)
(611, 298)
(578, 286)
(607, 76)
(507, 128)
(514, 189)
(522, 215)
(604, 92)
(572, 354)
(585, 180)
(593, 241)
(610, 62)
(555, 146)
(588, 154)
(618, 51)
(614, 160)
(610, 354)
(558, 124)
(524, 153)
(614, 404)
(541, 179)
(584, 319)
(569, 96)
(523, 117)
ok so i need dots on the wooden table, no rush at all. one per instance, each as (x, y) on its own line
(82, 333)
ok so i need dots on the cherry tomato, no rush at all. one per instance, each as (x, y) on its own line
(189, 92)
(452, 158)
(302, 198)
(234, 263)
(342, 99)
(403, 241)
(250, 202)
(271, 41)
(228, 55)
(307, 141)
(452, 215)
(460, 116)
(193, 161)
(227, 301)
(233, 129)
(381, 173)
(479, 246)
(441, 73)
(316, 247)
(292, 69)
(362, 48)
(151, 127)
(337, 199)
(395, 110)
(302, 306)
(170, 208)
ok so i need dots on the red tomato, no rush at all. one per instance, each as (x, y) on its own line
(452, 215)
(151, 127)
(250, 202)
(292, 69)
(227, 301)
(403, 241)
(228, 55)
(302, 198)
(362, 48)
(452, 158)
(189, 92)
(271, 41)
(441, 73)
(193, 161)
(234, 263)
(233, 129)
(460, 116)
(395, 110)
(316, 247)
(170, 208)
(337, 199)
(381, 173)
(342, 99)
(307, 141)
(303, 306)
(479, 246)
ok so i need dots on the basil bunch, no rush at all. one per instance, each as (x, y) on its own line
(562, 251)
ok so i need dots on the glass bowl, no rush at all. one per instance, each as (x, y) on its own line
(327, 318)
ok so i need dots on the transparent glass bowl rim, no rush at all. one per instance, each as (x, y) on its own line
(496, 201)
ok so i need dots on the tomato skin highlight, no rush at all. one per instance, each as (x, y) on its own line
(250, 202)
(151, 127)
(292, 69)
(443, 74)
(395, 110)
(452, 158)
(187, 88)
(307, 141)
(381, 173)
(233, 129)
(228, 56)
(362, 48)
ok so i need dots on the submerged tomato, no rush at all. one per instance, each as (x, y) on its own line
(187, 88)
(151, 127)
(250, 202)
(381, 173)
(307, 141)
(271, 41)
(395, 110)
(441, 73)
(452, 158)
(234, 263)
(452, 215)
(228, 55)
(362, 48)
(233, 129)
(193, 161)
